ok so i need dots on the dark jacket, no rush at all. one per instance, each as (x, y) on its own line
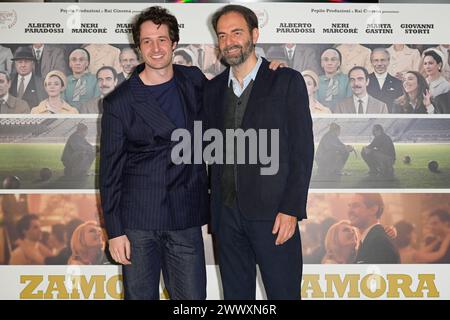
(278, 100)
(377, 248)
(442, 103)
(140, 187)
(391, 90)
(34, 92)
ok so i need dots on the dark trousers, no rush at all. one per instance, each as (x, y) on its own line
(379, 163)
(179, 254)
(243, 244)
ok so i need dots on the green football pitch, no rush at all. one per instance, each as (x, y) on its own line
(413, 175)
(26, 160)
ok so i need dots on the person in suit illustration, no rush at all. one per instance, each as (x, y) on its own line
(26, 85)
(128, 59)
(107, 81)
(360, 102)
(300, 57)
(48, 58)
(382, 85)
(364, 213)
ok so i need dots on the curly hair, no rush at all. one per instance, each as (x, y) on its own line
(158, 15)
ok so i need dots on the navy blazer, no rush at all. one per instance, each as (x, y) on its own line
(278, 100)
(391, 90)
(140, 187)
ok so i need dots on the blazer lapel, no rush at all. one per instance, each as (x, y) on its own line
(260, 90)
(353, 108)
(13, 89)
(387, 83)
(188, 98)
(371, 105)
(222, 87)
(148, 108)
(31, 88)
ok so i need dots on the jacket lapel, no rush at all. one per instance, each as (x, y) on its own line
(387, 83)
(354, 108)
(220, 94)
(371, 105)
(31, 88)
(260, 90)
(188, 98)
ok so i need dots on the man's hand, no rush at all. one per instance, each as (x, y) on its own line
(120, 249)
(275, 64)
(285, 227)
(391, 232)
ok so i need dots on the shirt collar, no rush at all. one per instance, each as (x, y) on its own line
(249, 77)
(40, 48)
(381, 76)
(27, 77)
(364, 99)
(292, 48)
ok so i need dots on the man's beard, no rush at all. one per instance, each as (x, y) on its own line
(246, 51)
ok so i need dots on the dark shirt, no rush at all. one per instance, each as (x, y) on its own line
(377, 247)
(169, 100)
